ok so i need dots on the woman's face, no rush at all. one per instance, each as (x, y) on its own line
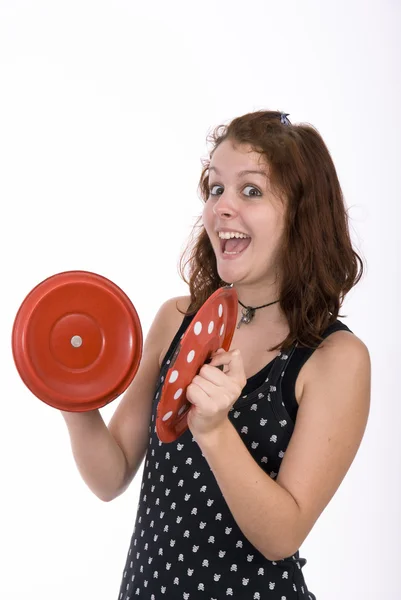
(244, 203)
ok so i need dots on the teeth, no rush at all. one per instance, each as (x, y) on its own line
(226, 235)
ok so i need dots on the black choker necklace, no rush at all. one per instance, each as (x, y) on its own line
(248, 312)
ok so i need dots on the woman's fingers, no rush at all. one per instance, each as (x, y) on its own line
(235, 367)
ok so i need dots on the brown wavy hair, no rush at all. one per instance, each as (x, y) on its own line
(318, 263)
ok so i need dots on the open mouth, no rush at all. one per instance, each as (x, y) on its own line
(234, 246)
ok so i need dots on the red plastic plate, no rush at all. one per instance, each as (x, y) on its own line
(77, 341)
(212, 327)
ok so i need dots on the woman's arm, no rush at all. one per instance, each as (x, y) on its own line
(108, 457)
(277, 516)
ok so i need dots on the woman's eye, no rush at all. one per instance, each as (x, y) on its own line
(252, 188)
(212, 188)
(246, 187)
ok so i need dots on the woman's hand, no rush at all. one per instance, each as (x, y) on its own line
(213, 392)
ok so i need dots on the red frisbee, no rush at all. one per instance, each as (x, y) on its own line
(77, 341)
(212, 327)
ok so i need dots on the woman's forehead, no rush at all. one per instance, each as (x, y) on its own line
(230, 156)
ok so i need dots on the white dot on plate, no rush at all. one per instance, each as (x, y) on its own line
(167, 415)
(76, 341)
(190, 356)
(177, 394)
(197, 327)
(173, 377)
(222, 329)
(220, 310)
(211, 327)
(182, 409)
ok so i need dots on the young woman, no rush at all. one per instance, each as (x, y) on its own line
(224, 510)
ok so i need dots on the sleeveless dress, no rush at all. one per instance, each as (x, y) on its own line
(186, 544)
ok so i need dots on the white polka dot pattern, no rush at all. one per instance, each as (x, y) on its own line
(208, 332)
(186, 543)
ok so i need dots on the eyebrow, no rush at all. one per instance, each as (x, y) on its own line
(241, 173)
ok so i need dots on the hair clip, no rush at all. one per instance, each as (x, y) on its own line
(284, 119)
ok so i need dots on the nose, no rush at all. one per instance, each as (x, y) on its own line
(225, 207)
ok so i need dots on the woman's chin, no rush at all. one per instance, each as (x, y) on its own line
(230, 275)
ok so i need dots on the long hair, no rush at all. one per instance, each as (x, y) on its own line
(318, 263)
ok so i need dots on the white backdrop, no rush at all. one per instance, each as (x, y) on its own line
(104, 111)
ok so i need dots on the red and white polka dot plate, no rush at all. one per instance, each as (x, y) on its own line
(212, 327)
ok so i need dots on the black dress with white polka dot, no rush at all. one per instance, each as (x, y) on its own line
(186, 543)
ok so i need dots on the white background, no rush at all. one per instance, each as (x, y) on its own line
(104, 112)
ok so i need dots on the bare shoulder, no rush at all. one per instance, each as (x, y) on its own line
(170, 315)
(345, 339)
(342, 350)
(173, 306)
(343, 344)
